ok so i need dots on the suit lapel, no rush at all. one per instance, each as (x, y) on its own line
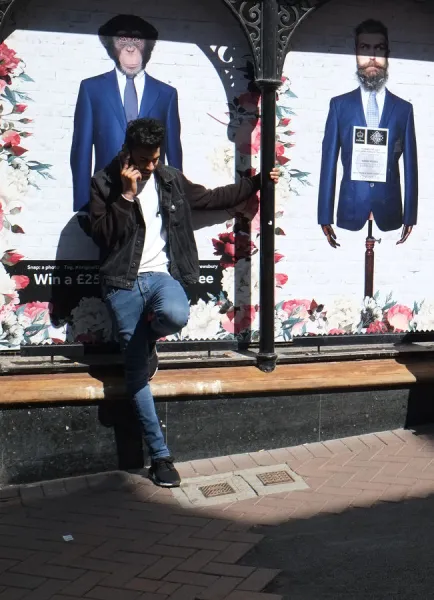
(113, 96)
(389, 106)
(150, 96)
(360, 113)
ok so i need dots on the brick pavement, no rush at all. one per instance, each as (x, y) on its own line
(132, 541)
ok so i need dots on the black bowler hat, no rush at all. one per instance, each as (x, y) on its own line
(129, 26)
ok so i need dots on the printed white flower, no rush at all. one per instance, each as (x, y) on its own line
(24, 320)
(11, 332)
(372, 305)
(241, 283)
(13, 182)
(204, 321)
(58, 333)
(344, 313)
(91, 317)
(424, 319)
(223, 161)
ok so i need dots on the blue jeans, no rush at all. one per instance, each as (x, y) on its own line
(164, 297)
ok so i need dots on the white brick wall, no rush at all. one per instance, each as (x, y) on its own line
(320, 66)
(59, 61)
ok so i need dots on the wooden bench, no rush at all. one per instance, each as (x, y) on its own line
(205, 382)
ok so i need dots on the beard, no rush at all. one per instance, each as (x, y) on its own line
(373, 83)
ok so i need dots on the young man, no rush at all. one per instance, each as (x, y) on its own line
(370, 105)
(140, 217)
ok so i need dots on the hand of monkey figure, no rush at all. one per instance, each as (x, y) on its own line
(330, 235)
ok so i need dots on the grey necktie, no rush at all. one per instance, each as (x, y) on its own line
(130, 100)
(373, 114)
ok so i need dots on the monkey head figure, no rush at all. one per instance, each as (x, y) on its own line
(129, 41)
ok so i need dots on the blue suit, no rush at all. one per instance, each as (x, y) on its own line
(100, 122)
(357, 199)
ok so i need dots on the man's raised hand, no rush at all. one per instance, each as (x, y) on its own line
(275, 174)
(130, 176)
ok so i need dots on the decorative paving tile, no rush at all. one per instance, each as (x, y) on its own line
(273, 480)
(213, 489)
(238, 485)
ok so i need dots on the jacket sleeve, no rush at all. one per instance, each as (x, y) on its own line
(173, 134)
(111, 220)
(81, 149)
(220, 198)
(329, 162)
(410, 172)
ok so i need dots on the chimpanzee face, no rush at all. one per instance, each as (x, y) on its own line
(129, 53)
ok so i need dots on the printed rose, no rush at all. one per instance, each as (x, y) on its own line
(37, 311)
(336, 331)
(8, 60)
(20, 108)
(249, 101)
(255, 223)
(11, 258)
(377, 327)
(21, 281)
(297, 308)
(281, 279)
(11, 138)
(248, 136)
(237, 320)
(399, 317)
(232, 248)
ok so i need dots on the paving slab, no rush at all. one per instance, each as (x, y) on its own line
(358, 524)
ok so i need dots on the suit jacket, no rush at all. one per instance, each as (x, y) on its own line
(100, 123)
(357, 199)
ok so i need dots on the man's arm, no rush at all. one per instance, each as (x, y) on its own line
(410, 172)
(173, 134)
(110, 220)
(329, 162)
(220, 198)
(81, 150)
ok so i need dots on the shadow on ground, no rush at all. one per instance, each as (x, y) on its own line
(131, 540)
(382, 552)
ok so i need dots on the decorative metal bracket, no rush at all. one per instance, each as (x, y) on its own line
(6, 17)
(290, 13)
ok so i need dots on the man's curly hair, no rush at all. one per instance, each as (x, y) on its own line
(144, 133)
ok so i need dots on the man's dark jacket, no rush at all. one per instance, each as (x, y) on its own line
(118, 228)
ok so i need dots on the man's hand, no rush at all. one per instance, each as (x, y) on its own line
(129, 177)
(330, 235)
(406, 230)
(275, 174)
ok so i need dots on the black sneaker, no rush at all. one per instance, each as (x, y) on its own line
(153, 361)
(162, 472)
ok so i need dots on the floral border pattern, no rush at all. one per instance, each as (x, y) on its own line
(235, 312)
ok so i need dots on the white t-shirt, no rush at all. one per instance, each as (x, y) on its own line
(154, 257)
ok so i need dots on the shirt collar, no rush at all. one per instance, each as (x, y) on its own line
(122, 77)
(380, 94)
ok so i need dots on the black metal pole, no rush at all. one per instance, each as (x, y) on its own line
(268, 83)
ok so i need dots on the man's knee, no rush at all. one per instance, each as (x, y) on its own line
(172, 317)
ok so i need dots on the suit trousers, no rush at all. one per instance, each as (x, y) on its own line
(160, 296)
